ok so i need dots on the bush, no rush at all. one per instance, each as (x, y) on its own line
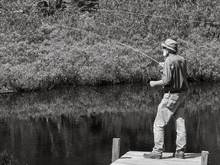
(77, 47)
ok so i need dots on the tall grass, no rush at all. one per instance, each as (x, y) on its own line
(82, 48)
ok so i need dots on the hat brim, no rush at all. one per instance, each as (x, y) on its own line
(166, 46)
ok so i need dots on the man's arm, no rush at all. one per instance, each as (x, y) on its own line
(166, 77)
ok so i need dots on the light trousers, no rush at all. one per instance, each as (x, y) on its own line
(172, 104)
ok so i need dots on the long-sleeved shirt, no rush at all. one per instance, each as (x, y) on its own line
(175, 74)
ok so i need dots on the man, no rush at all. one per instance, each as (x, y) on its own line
(174, 82)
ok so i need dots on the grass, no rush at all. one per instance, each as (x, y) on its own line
(73, 47)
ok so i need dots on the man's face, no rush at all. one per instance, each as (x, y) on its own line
(165, 52)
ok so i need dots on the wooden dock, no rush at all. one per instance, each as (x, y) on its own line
(137, 158)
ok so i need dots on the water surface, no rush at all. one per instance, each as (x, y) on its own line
(76, 125)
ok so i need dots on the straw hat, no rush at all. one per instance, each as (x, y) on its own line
(170, 44)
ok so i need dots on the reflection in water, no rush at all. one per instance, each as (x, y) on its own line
(76, 126)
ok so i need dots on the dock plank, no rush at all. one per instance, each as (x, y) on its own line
(136, 158)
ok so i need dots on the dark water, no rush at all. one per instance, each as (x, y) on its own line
(76, 125)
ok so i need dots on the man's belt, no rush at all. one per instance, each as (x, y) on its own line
(174, 90)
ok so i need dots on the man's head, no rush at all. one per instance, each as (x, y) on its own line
(169, 47)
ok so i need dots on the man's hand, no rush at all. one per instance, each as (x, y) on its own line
(161, 64)
(152, 83)
(156, 83)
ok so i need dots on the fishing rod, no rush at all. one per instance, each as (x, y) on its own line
(139, 51)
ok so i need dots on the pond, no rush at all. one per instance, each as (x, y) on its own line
(75, 125)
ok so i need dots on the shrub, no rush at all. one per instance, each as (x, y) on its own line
(77, 47)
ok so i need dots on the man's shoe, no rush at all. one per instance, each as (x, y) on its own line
(153, 155)
(179, 154)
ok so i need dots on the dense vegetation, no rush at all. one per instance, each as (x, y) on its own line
(75, 47)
